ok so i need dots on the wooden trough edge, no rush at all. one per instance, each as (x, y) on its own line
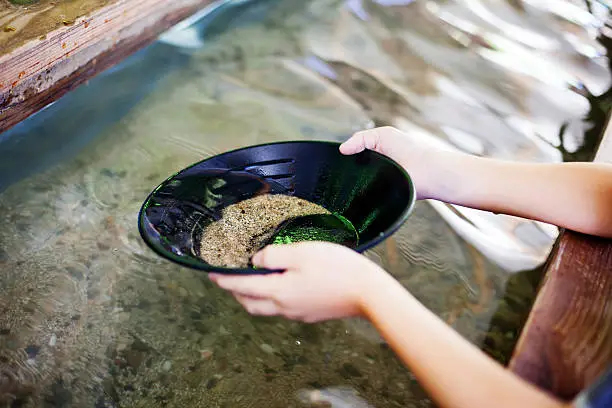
(567, 340)
(43, 70)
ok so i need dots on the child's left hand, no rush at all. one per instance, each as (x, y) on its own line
(321, 281)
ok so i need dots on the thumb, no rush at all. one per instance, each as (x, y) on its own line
(275, 257)
(375, 139)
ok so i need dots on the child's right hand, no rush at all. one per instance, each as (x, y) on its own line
(416, 155)
(321, 281)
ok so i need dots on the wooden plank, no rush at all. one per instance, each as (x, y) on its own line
(42, 70)
(567, 340)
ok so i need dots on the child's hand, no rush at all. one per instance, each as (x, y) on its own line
(414, 154)
(322, 281)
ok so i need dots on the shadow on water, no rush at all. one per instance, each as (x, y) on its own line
(101, 321)
(511, 314)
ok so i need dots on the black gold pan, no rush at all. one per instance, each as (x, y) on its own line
(367, 190)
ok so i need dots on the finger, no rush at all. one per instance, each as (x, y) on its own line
(257, 306)
(253, 286)
(277, 257)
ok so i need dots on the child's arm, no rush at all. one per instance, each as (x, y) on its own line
(454, 372)
(324, 281)
(577, 196)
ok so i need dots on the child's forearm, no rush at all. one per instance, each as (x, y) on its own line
(577, 196)
(453, 371)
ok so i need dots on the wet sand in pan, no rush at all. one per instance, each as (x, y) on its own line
(244, 227)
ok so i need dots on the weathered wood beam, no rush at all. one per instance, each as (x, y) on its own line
(567, 340)
(42, 70)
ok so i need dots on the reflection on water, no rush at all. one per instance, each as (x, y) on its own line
(90, 317)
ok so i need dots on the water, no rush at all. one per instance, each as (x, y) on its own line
(89, 316)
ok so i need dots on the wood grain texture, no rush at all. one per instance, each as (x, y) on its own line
(41, 71)
(567, 340)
